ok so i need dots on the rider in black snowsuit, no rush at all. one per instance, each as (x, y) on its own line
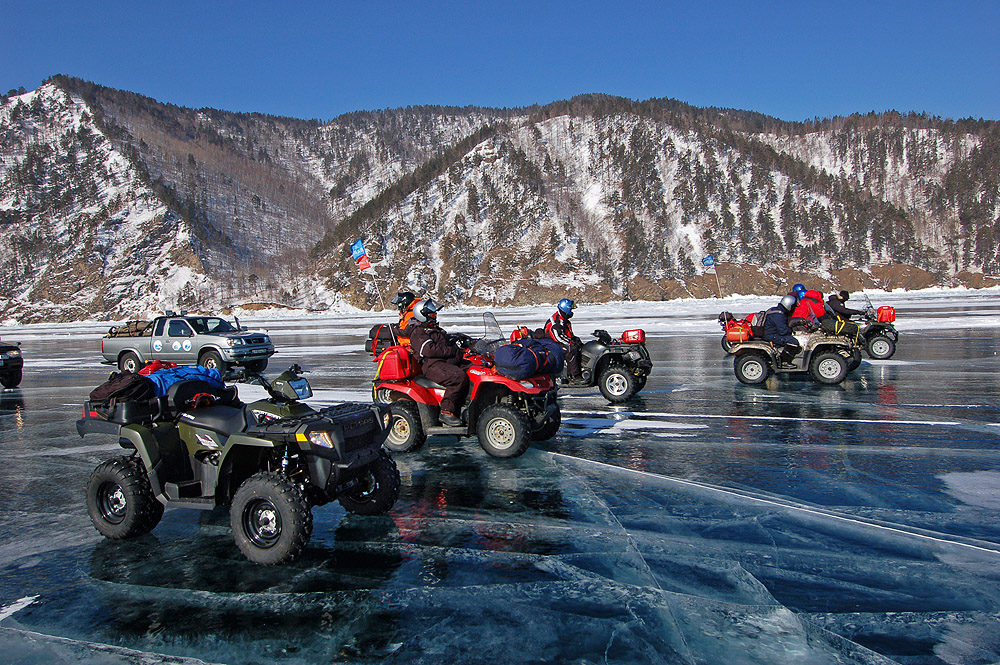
(439, 359)
(776, 329)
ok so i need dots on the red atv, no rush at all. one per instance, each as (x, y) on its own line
(506, 415)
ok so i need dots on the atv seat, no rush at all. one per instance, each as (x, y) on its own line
(427, 383)
(179, 395)
(222, 419)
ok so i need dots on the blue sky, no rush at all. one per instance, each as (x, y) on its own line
(793, 60)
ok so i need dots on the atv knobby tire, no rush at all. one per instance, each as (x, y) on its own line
(377, 490)
(270, 518)
(828, 367)
(751, 368)
(727, 346)
(881, 347)
(406, 433)
(120, 501)
(11, 379)
(617, 383)
(548, 427)
(503, 431)
(855, 361)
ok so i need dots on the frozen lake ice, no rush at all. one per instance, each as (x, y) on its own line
(702, 522)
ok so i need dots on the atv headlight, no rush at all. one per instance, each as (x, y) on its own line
(14, 353)
(634, 355)
(527, 384)
(321, 439)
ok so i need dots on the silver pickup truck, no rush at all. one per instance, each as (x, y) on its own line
(209, 341)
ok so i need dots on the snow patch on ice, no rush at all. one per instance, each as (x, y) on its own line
(975, 488)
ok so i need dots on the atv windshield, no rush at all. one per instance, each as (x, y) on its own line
(492, 338)
(210, 325)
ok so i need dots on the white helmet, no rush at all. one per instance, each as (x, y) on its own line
(425, 309)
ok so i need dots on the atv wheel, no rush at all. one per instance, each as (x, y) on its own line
(855, 361)
(212, 360)
(406, 433)
(120, 501)
(129, 362)
(12, 380)
(382, 396)
(548, 428)
(751, 368)
(881, 347)
(617, 383)
(270, 519)
(727, 346)
(640, 382)
(503, 431)
(828, 368)
(377, 491)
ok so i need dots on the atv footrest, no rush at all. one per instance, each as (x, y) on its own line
(440, 430)
(186, 489)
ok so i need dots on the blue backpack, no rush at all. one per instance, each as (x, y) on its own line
(527, 357)
(164, 378)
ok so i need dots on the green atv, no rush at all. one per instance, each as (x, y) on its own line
(270, 461)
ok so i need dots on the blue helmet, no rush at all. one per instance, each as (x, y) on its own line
(799, 290)
(566, 307)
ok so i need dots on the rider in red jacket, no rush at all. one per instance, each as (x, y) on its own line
(810, 311)
(560, 329)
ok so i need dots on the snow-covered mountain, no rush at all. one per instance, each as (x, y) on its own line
(115, 204)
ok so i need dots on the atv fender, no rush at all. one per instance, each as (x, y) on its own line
(143, 440)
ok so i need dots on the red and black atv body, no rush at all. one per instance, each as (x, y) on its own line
(506, 414)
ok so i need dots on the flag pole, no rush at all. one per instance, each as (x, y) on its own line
(717, 282)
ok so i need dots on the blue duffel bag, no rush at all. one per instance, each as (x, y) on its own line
(165, 378)
(527, 357)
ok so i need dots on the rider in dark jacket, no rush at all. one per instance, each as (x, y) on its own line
(776, 329)
(842, 314)
(439, 359)
(560, 329)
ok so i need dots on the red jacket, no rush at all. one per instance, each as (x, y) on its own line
(811, 306)
(560, 329)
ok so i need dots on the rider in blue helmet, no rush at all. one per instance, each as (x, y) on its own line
(561, 330)
(799, 290)
(566, 306)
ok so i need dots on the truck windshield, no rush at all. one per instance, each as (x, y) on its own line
(210, 325)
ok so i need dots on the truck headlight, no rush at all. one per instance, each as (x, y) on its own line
(235, 341)
(321, 439)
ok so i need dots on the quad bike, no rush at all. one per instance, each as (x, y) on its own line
(11, 364)
(827, 358)
(737, 331)
(270, 461)
(505, 414)
(618, 367)
(878, 334)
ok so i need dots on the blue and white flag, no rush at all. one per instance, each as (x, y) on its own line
(708, 261)
(358, 249)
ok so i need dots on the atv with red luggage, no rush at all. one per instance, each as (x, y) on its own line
(506, 414)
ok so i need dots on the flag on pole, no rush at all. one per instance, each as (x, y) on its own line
(360, 255)
(709, 263)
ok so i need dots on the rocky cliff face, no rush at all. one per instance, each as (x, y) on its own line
(115, 204)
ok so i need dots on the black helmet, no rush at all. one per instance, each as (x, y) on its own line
(845, 295)
(424, 310)
(403, 299)
(788, 303)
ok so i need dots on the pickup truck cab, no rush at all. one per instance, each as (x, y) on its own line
(210, 341)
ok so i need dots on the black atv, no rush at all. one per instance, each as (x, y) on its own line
(878, 334)
(617, 366)
(270, 461)
(11, 364)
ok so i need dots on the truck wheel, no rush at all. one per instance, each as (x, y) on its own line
(503, 431)
(257, 365)
(829, 367)
(378, 490)
(12, 380)
(129, 362)
(617, 383)
(881, 347)
(212, 360)
(270, 519)
(406, 432)
(120, 501)
(548, 428)
(751, 368)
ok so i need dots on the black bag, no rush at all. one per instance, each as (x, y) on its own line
(757, 324)
(123, 387)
